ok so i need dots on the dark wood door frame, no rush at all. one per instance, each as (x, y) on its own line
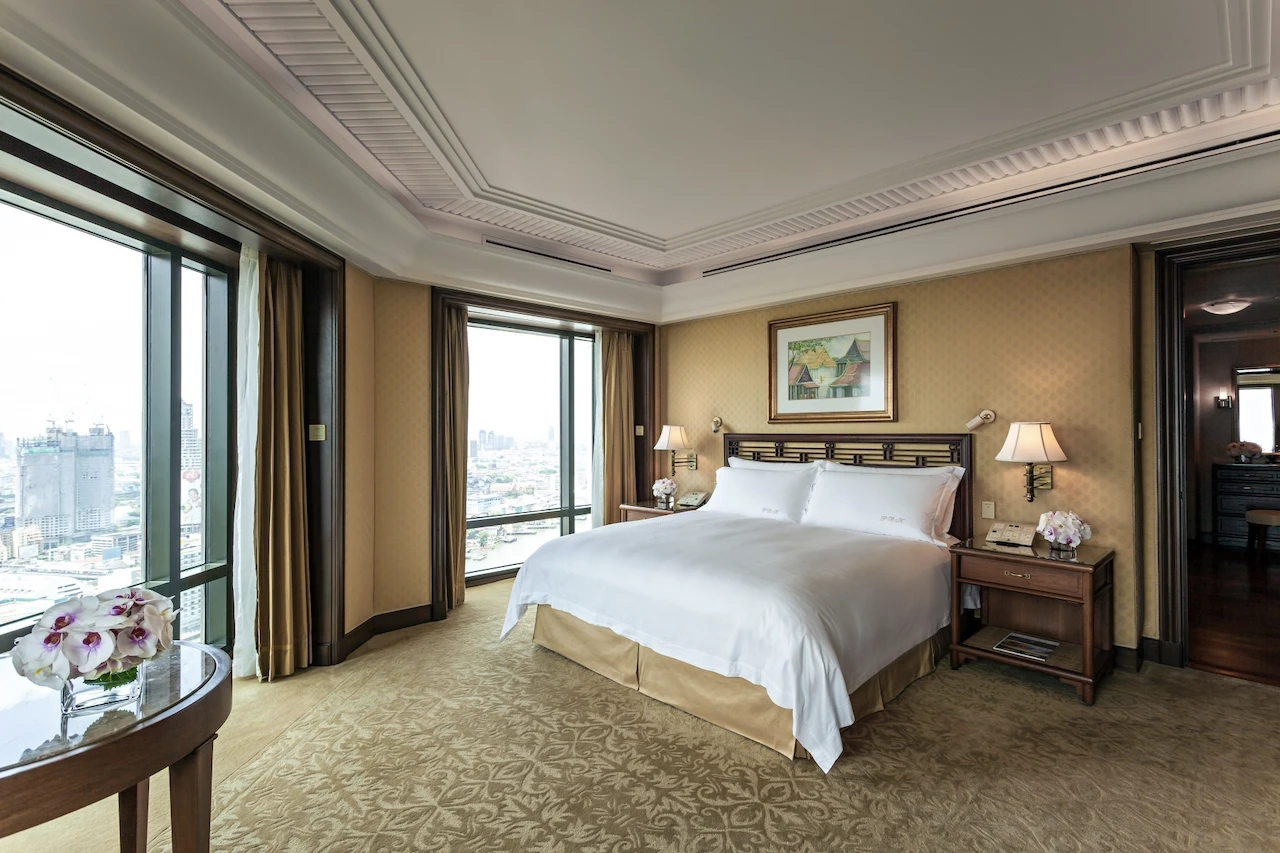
(1171, 426)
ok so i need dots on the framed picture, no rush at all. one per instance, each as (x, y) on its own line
(833, 367)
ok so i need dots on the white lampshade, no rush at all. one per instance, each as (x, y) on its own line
(1031, 441)
(673, 438)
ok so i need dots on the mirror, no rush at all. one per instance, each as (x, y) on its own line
(1257, 404)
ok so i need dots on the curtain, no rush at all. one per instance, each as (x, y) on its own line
(244, 579)
(455, 386)
(617, 404)
(284, 617)
(597, 438)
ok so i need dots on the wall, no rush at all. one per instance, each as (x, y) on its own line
(388, 468)
(360, 440)
(1214, 428)
(402, 465)
(1051, 340)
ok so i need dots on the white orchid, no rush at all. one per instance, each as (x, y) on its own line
(1063, 528)
(95, 635)
(664, 487)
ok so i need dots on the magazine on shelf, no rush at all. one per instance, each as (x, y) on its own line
(1027, 646)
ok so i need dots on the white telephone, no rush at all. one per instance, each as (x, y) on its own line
(1012, 534)
(692, 500)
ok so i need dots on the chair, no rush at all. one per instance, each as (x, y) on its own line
(1259, 521)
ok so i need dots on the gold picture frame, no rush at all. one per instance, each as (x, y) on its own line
(834, 367)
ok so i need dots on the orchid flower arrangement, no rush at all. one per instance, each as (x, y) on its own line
(664, 488)
(1248, 449)
(99, 638)
(1064, 529)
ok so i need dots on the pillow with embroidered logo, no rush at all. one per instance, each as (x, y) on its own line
(884, 503)
(764, 494)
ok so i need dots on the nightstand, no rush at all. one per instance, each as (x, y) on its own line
(646, 509)
(1036, 591)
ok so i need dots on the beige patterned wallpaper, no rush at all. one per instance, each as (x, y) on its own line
(359, 425)
(1050, 341)
(402, 463)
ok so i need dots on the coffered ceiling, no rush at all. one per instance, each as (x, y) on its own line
(660, 140)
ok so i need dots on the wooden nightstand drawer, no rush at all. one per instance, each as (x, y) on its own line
(638, 513)
(1034, 578)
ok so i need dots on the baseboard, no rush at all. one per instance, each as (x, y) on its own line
(1128, 659)
(382, 623)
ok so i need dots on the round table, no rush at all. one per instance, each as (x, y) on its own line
(51, 765)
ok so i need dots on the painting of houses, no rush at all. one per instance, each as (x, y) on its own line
(821, 368)
(836, 366)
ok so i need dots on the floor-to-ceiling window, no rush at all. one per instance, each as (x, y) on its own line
(531, 418)
(114, 412)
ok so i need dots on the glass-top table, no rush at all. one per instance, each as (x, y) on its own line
(32, 726)
(52, 764)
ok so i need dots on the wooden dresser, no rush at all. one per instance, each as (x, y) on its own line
(1238, 488)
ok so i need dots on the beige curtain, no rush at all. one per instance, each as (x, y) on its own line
(617, 406)
(284, 598)
(455, 386)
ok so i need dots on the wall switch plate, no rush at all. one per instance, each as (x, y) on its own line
(315, 432)
(639, 430)
(988, 509)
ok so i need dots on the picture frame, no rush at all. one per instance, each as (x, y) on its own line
(834, 367)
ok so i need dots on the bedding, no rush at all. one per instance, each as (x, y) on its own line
(762, 494)
(956, 472)
(751, 464)
(889, 504)
(808, 613)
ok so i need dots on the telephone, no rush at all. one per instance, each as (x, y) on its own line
(1012, 534)
(692, 500)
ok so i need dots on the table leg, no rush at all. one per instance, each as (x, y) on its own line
(133, 817)
(190, 799)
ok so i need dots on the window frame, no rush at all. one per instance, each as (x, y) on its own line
(569, 511)
(161, 417)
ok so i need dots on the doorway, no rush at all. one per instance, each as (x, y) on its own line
(1218, 398)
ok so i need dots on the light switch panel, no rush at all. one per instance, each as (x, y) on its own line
(988, 509)
(315, 432)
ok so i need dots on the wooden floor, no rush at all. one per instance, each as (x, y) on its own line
(1235, 612)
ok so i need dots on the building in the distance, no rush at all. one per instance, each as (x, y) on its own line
(66, 482)
(4, 446)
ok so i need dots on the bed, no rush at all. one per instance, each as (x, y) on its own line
(782, 632)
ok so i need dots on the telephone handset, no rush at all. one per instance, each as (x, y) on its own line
(1012, 534)
(692, 500)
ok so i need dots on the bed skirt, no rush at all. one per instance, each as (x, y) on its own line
(731, 703)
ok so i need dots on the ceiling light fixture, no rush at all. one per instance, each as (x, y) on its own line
(1227, 306)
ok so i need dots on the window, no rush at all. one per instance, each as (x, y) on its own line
(1257, 417)
(531, 418)
(108, 477)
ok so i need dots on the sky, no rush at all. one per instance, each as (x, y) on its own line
(71, 329)
(515, 383)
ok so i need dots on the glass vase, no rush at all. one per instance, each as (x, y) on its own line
(89, 696)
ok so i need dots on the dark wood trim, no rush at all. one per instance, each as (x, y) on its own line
(499, 303)
(1171, 427)
(1139, 509)
(872, 450)
(324, 357)
(438, 486)
(187, 194)
(384, 623)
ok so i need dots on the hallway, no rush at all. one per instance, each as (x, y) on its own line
(1234, 611)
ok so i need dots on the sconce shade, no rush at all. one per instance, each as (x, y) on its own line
(673, 438)
(1030, 441)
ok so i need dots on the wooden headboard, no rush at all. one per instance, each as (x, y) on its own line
(917, 450)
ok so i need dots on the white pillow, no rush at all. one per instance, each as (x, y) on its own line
(751, 464)
(948, 500)
(762, 494)
(883, 503)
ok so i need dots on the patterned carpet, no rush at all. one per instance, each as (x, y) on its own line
(440, 738)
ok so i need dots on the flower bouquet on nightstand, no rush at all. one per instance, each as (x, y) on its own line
(92, 648)
(664, 491)
(1064, 531)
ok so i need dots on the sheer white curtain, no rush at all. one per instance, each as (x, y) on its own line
(597, 441)
(244, 568)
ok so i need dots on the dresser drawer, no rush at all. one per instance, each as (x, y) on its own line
(1253, 475)
(1240, 504)
(1035, 578)
(1242, 487)
(1231, 526)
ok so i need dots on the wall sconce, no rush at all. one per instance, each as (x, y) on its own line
(673, 438)
(984, 417)
(1223, 400)
(716, 423)
(1033, 442)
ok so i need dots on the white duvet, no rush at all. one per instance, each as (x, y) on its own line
(808, 613)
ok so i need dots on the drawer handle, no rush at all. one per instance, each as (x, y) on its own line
(1026, 576)
(1247, 488)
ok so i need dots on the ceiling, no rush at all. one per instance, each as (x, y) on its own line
(1256, 282)
(665, 139)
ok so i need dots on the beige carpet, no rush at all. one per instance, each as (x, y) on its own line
(440, 738)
